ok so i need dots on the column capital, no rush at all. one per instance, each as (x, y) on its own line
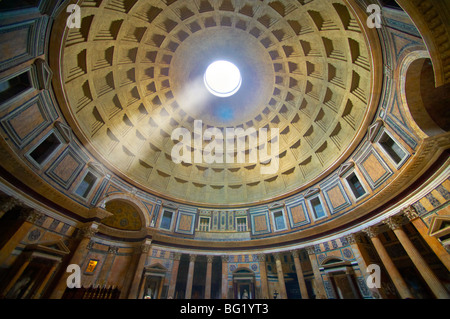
(393, 222)
(225, 258)
(87, 231)
(192, 258)
(277, 256)
(30, 215)
(209, 258)
(145, 246)
(177, 256)
(311, 250)
(294, 253)
(8, 204)
(410, 213)
(371, 231)
(353, 238)
(261, 257)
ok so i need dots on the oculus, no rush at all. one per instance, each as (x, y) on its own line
(222, 78)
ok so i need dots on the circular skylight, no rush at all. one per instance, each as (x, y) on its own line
(222, 78)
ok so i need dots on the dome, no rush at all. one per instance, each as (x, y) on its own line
(137, 77)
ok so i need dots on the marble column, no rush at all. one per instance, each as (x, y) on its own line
(17, 275)
(173, 276)
(225, 276)
(209, 260)
(281, 283)
(190, 276)
(29, 218)
(363, 260)
(143, 250)
(109, 260)
(263, 275)
(435, 245)
(433, 282)
(391, 269)
(320, 288)
(300, 277)
(50, 273)
(84, 236)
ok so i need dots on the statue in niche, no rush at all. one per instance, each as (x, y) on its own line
(20, 287)
(245, 294)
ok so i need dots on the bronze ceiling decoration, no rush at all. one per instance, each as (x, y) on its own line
(131, 75)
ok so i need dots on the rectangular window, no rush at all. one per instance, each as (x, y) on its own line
(317, 207)
(86, 185)
(45, 149)
(279, 221)
(14, 86)
(166, 220)
(204, 224)
(241, 224)
(355, 185)
(392, 148)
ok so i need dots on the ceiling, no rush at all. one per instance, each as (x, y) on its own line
(133, 72)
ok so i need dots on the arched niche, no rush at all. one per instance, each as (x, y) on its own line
(243, 284)
(425, 104)
(127, 213)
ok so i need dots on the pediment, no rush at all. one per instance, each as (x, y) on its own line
(439, 226)
(53, 248)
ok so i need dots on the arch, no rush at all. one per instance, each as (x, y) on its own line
(333, 261)
(139, 207)
(243, 271)
(424, 104)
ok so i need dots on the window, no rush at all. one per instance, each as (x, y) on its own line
(45, 149)
(241, 224)
(355, 185)
(166, 220)
(204, 224)
(279, 220)
(14, 86)
(86, 185)
(394, 150)
(317, 208)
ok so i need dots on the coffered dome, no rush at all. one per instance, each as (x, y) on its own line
(133, 73)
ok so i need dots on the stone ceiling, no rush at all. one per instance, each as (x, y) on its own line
(130, 76)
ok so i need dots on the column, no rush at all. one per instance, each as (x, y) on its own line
(411, 213)
(84, 235)
(433, 282)
(209, 260)
(392, 271)
(190, 276)
(281, 283)
(112, 252)
(49, 275)
(17, 275)
(263, 275)
(363, 260)
(320, 289)
(7, 205)
(300, 277)
(29, 217)
(349, 273)
(143, 249)
(225, 276)
(174, 275)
